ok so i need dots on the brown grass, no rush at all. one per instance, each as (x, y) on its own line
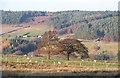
(52, 68)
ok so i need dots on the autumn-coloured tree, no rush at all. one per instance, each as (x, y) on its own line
(48, 41)
(73, 45)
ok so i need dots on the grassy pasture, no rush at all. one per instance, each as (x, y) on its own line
(33, 30)
(111, 48)
(44, 60)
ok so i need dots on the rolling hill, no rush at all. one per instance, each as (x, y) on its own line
(83, 24)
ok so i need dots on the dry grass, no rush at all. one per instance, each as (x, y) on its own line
(34, 68)
(111, 47)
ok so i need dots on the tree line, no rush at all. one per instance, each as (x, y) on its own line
(18, 17)
(54, 46)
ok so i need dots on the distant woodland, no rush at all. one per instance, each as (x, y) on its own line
(84, 24)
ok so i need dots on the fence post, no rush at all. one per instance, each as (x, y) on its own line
(67, 63)
(54, 63)
(17, 60)
(106, 64)
(80, 64)
(42, 61)
(36, 61)
(6, 60)
(94, 63)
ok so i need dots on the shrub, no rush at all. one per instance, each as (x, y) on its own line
(102, 57)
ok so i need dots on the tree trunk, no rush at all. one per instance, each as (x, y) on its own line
(68, 56)
(49, 55)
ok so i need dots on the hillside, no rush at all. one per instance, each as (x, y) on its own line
(83, 24)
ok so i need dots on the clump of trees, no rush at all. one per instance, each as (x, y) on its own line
(52, 43)
(19, 46)
(72, 45)
(102, 56)
(49, 42)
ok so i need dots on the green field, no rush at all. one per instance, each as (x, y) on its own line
(63, 61)
(33, 31)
